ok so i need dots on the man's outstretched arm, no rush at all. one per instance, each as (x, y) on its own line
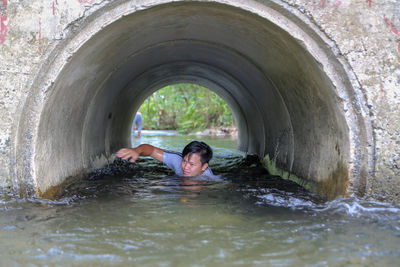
(144, 150)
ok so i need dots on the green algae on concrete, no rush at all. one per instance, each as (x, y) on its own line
(273, 169)
(335, 185)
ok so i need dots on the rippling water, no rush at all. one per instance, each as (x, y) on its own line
(147, 217)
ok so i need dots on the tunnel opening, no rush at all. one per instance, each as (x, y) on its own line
(293, 101)
(186, 109)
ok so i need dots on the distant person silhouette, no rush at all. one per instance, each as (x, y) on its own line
(138, 123)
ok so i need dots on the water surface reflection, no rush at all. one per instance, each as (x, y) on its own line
(140, 214)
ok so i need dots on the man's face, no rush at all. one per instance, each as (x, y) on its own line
(192, 166)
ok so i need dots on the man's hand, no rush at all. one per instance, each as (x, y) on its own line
(143, 150)
(126, 153)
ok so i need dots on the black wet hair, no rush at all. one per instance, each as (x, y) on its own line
(201, 148)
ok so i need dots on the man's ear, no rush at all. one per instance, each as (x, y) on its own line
(204, 167)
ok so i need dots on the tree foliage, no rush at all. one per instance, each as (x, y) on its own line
(186, 108)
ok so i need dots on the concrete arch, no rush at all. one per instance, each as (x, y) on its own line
(295, 101)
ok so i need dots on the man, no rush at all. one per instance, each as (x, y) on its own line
(193, 160)
(138, 122)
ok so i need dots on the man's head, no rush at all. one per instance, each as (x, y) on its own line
(195, 158)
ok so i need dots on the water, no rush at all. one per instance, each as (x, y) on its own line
(151, 218)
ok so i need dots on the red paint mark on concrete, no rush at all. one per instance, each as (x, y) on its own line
(3, 22)
(3, 8)
(85, 2)
(3, 28)
(54, 6)
(369, 2)
(391, 25)
(392, 29)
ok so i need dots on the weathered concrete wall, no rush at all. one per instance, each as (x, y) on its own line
(364, 36)
(28, 30)
(367, 34)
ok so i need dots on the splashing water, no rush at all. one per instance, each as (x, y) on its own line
(140, 214)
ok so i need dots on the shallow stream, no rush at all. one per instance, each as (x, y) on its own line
(141, 215)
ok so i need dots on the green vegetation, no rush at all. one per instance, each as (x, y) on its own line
(185, 108)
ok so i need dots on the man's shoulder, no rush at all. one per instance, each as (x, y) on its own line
(172, 157)
(173, 160)
(173, 153)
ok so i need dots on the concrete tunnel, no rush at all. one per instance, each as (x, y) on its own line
(293, 100)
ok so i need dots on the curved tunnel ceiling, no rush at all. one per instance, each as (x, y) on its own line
(283, 101)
